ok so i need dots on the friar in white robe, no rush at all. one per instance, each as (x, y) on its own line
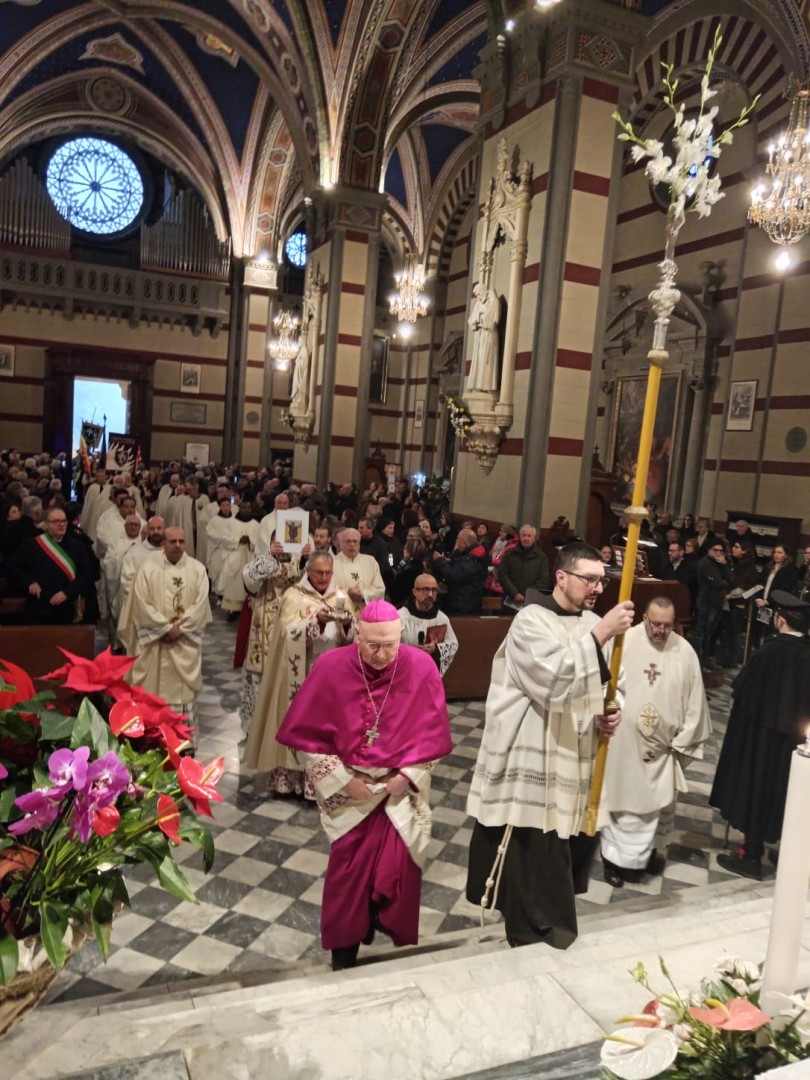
(355, 574)
(313, 618)
(131, 563)
(530, 787)
(231, 585)
(666, 722)
(168, 606)
(204, 517)
(266, 578)
(425, 626)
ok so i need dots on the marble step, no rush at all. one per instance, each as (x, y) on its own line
(459, 1011)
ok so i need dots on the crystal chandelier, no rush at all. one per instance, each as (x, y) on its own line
(409, 302)
(284, 346)
(784, 210)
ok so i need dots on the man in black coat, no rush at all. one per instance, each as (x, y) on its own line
(767, 720)
(715, 581)
(463, 573)
(680, 569)
(52, 571)
(26, 527)
(371, 543)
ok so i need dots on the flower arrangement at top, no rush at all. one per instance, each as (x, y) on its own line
(460, 416)
(287, 418)
(689, 176)
(719, 1033)
(85, 795)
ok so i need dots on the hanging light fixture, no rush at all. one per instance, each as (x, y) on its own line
(284, 346)
(409, 302)
(784, 210)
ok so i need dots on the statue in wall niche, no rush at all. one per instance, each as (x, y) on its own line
(483, 322)
(300, 386)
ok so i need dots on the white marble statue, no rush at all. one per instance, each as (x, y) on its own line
(483, 321)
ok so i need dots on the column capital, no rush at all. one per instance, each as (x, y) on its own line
(595, 38)
(346, 208)
(261, 274)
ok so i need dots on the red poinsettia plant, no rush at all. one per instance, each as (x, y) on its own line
(86, 792)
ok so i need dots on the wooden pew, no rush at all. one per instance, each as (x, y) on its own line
(644, 590)
(478, 639)
(35, 649)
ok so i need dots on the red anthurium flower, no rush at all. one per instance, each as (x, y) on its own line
(120, 689)
(197, 782)
(126, 719)
(105, 820)
(19, 685)
(92, 676)
(174, 743)
(168, 818)
(735, 1015)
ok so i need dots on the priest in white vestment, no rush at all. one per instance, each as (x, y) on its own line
(130, 565)
(223, 537)
(266, 578)
(666, 722)
(268, 524)
(204, 517)
(314, 617)
(96, 501)
(232, 587)
(169, 608)
(111, 570)
(530, 785)
(180, 514)
(425, 626)
(355, 574)
(110, 529)
(166, 493)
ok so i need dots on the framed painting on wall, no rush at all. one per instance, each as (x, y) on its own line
(7, 355)
(419, 413)
(190, 378)
(627, 413)
(741, 404)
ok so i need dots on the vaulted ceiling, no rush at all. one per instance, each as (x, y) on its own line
(257, 103)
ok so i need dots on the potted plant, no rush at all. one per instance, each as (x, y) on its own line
(92, 780)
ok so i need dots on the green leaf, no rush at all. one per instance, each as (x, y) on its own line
(9, 958)
(7, 797)
(6, 841)
(118, 890)
(53, 926)
(101, 920)
(173, 880)
(55, 726)
(90, 729)
(197, 833)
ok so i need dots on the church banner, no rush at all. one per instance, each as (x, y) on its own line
(122, 453)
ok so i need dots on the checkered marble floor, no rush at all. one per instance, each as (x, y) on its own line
(260, 905)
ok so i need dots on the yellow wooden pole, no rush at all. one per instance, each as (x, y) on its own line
(636, 514)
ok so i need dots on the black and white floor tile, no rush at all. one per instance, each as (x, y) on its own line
(260, 905)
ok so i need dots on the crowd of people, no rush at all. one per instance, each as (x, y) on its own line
(344, 637)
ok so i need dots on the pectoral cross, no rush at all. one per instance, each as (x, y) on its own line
(371, 735)
(652, 674)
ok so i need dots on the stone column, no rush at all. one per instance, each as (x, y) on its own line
(349, 254)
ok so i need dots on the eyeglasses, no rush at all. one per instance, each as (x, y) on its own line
(425, 588)
(380, 646)
(665, 627)
(591, 582)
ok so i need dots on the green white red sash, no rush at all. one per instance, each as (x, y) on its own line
(57, 554)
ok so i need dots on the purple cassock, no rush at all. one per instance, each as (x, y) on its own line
(371, 875)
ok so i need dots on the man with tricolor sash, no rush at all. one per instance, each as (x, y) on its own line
(53, 572)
